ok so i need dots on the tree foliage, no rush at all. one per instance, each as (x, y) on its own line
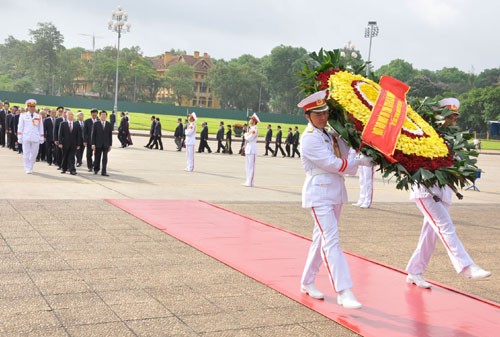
(179, 77)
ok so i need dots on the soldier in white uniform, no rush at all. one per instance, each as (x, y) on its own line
(251, 137)
(325, 160)
(365, 187)
(190, 141)
(439, 225)
(30, 135)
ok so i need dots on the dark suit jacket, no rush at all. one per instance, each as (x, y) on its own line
(70, 138)
(269, 135)
(152, 128)
(278, 137)
(204, 133)
(8, 121)
(295, 138)
(157, 129)
(220, 133)
(87, 130)
(59, 120)
(179, 130)
(229, 134)
(112, 119)
(15, 124)
(289, 138)
(102, 137)
(48, 129)
(123, 125)
(3, 114)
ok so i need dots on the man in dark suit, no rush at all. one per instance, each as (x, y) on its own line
(79, 152)
(242, 147)
(8, 124)
(112, 120)
(61, 113)
(277, 142)
(157, 135)
(269, 138)
(151, 132)
(204, 139)
(102, 140)
(229, 140)
(15, 123)
(288, 142)
(295, 147)
(48, 130)
(179, 134)
(3, 128)
(70, 140)
(123, 130)
(87, 134)
(220, 138)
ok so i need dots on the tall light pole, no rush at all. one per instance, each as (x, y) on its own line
(349, 53)
(370, 32)
(119, 25)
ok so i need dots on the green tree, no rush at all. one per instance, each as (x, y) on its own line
(281, 68)
(488, 77)
(399, 69)
(14, 60)
(101, 70)
(47, 40)
(423, 86)
(457, 80)
(179, 78)
(71, 67)
(478, 106)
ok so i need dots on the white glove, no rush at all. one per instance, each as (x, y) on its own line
(365, 161)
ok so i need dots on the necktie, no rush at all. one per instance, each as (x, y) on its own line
(71, 126)
(103, 125)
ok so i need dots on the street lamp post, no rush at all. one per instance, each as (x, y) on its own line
(119, 25)
(370, 32)
(349, 53)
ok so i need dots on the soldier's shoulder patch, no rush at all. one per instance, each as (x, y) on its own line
(309, 129)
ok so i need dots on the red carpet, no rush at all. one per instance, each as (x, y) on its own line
(276, 257)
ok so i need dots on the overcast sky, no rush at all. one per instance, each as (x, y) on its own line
(430, 34)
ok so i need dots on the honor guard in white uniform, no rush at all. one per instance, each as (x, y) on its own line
(325, 161)
(30, 135)
(439, 225)
(251, 137)
(365, 186)
(190, 141)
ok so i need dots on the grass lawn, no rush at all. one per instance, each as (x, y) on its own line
(142, 121)
(490, 144)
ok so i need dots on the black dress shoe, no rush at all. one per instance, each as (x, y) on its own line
(105, 174)
(79, 164)
(59, 168)
(62, 172)
(73, 173)
(95, 172)
(90, 170)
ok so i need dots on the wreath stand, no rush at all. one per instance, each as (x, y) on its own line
(473, 186)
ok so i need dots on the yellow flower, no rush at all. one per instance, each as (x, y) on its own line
(357, 95)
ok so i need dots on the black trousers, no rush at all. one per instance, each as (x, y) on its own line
(295, 150)
(220, 146)
(150, 142)
(88, 154)
(68, 159)
(287, 148)
(178, 143)
(204, 145)
(101, 151)
(278, 146)
(42, 153)
(2, 136)
(58, 156)
(157, 141)
(79, 155)
(268, 148)
(49, 151)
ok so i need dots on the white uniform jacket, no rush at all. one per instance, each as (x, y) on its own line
(30, 129)
(191, 134)
(251, 137)
(445, 193)
(324, 184)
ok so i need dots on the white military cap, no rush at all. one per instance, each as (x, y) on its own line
(31, 102)
(255, 118)
(451, 103)
(314, 103)
(193, 114)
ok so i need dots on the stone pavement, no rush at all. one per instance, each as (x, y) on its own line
(73, 265)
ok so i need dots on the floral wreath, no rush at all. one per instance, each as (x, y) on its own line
(424, 156)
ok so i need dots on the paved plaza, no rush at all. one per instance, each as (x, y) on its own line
(72, 264)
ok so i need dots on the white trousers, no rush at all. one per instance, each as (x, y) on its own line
(325, 247)
(437, 224)
(190, 157)
(30, 151)
(250, 169)
(366, 185)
